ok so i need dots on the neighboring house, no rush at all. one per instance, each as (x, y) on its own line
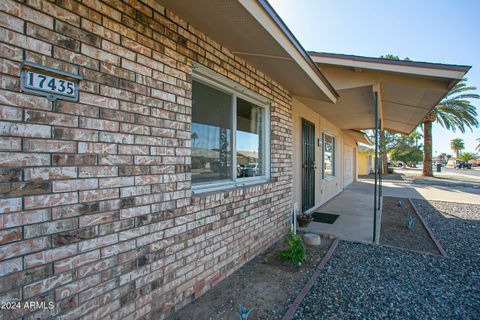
(366, 161)
(129, 203)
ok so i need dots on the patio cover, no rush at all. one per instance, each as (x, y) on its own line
(359, 136)
(253, 31)
(407, 90)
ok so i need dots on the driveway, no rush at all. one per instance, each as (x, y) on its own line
(372, 282)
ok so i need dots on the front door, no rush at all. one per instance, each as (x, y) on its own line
(308, 165)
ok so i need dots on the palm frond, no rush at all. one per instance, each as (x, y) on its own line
(456, 111)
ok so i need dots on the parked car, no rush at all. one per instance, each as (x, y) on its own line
(250, 170)
(460, 164)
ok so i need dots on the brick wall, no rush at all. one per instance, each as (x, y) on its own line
(96, 208)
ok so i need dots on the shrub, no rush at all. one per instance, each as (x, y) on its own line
(296, 250)
(390, 170)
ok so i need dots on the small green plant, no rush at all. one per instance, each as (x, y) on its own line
(243, 313)
(410, 223)
(296, 250)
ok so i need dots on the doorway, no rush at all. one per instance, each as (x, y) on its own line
(308, 165)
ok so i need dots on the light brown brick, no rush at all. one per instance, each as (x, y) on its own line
(23, 247)
(96, 195)
(10, 235)
(74, 185)
(98, 171)
(97, 148)
(76, 261)
(24, 100)
(10, 22)
(100, 31)
(25, 42)
(48, 256)
(116, 182)
(75, 58)
(24, 130)
(99, 124)
(10, 144)
(76, 286)
(41, 145)
(46, 285)
(99, 101)
(97, 242)
(119, 50)
(50, 200)
(9, 266)
(101, 55)
(56, 11)
(23, 218)
(17, 159)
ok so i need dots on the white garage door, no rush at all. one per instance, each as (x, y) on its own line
(348, 165)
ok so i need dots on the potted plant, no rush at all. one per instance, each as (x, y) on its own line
(304, 219)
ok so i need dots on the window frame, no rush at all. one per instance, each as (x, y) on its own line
(334, 155)
(218, 82)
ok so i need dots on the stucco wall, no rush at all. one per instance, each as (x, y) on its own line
(96, 207)
(324, 189)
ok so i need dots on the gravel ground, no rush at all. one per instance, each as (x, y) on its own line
(456, 226)
(373, 282)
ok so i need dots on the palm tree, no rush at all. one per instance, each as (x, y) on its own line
(455, 111)
(415, 136)
(467, 156)
(457, 145)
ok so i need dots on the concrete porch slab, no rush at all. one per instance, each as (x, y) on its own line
(355, 207)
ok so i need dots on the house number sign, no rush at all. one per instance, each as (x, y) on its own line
(51, 83)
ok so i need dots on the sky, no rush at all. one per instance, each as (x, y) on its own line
(443, 31)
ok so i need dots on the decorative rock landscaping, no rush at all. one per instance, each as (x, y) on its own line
(371, 282)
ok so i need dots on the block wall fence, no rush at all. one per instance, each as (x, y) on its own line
(96, 207)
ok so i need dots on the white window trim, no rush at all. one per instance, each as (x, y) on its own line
(334, 175)
(219, 82)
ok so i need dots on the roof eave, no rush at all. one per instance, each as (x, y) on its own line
(293, 40)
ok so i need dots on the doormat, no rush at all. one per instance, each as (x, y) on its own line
(325, 217)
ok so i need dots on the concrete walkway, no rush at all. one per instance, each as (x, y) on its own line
(355, 207)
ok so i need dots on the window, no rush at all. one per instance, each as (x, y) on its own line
(211, 134)
(328, 143)
(229, 137)
(249, 139)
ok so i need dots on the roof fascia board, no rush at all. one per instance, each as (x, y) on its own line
(346, 78)
(421, 71)
(268, 19)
